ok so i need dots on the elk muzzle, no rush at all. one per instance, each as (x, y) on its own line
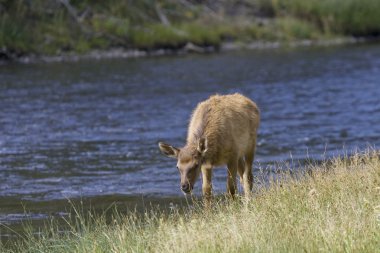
(186, 188)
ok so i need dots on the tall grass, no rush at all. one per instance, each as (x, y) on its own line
(333, 208)
(349, 17)
(13, 32)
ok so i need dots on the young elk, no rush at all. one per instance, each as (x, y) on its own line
(222, 131)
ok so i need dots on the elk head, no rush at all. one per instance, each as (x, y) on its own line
(189, 161)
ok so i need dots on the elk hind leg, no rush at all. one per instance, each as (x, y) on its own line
(241, 168)
(248, 176)
(232, 168)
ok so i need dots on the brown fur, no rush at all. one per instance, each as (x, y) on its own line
(222, 131)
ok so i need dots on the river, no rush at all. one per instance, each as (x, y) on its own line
(89, 129)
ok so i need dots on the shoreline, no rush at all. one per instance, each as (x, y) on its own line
(188, 49)
(37, 213)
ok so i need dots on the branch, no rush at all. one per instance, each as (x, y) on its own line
(72, 11)
(74, 14)
(164, 20)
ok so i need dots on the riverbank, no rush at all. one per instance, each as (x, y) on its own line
(122, 53)
(65, 29)
(333, 208)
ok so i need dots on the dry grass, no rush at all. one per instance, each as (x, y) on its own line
(336, 208)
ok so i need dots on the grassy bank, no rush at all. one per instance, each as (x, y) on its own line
(334, 208)
(46, 27)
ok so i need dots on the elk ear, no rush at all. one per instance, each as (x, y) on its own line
(168, 150)
(202, 146)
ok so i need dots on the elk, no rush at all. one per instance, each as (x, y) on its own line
(222, 131)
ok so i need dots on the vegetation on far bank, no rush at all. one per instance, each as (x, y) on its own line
(334, 208)
(53, 27)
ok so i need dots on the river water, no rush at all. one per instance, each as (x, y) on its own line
(89, 129)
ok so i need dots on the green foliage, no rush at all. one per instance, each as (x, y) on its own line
(202, 35)
(291, 29)
(50, 27)
(156, 36)
(111, 25)
(350, 17)
(13, 35)
(256, 31)
(176, 36)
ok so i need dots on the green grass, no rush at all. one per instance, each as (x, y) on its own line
(13, 35)
(348, 17)
(333, 208)
(49, 28)
(157, 36)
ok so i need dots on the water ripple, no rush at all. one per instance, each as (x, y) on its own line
(91, 128)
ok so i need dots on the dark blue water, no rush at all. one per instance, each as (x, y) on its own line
(91, 128)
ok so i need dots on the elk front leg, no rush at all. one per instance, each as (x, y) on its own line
(207, 185)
